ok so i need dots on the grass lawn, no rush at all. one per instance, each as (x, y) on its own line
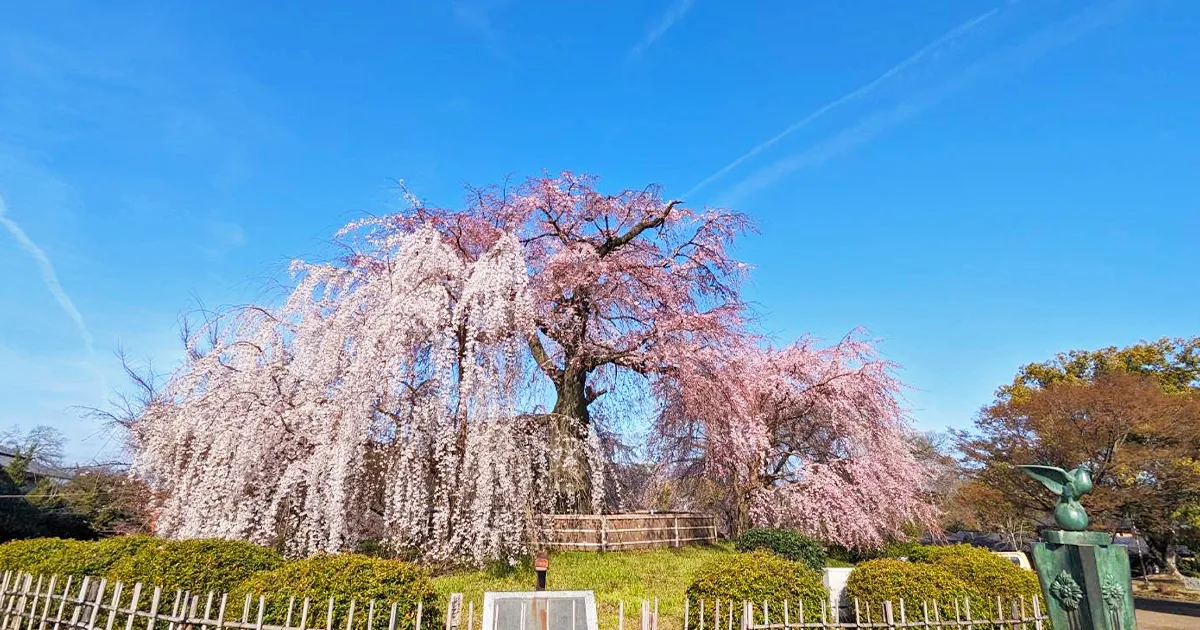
(628, 576)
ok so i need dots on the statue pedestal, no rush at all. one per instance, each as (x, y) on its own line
(1085, 580)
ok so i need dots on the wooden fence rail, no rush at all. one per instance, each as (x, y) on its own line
(611, 532)
(30, 602)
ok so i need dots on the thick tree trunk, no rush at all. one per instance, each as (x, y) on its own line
(571, 468)
(572, 398)
(1170, 556)
(1164, 545)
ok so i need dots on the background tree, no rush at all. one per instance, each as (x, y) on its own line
(31, 503)
(40, 446)
(1172, 363)
(111, 501)
(1130, 415)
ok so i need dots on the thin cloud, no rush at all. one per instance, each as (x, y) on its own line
(478, 17)
(49, 277)
(929, 49)
(660, 28)
(1007, 60)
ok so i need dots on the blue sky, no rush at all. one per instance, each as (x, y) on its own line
(980, 184)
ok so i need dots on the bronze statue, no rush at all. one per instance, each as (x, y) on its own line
(1069, 486)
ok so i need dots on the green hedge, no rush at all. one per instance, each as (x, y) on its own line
(198, 566)
(876, 581)
(344, 577)
(756, 577)
(986, 573)
(69, 557)
(944, 573)
(785, 543)
(42, 556)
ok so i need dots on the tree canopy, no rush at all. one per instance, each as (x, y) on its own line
(1129, 415)
(452, 375)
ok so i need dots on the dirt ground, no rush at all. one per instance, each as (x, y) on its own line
(1148, 620)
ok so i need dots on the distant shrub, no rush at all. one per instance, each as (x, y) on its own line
(345, 577)
(985, 573)
(785, 543)
(195, 565)
(42, 556)
(756, 577)
(1190, 567)
(876, 581)
(894, 550)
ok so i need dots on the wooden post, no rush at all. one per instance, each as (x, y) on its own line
(45, 604)
(137, 595)
(155, 599)
(114, 606)
(62, 602)
(603, 533)
(453, 611)
(77, 609)
(304, 614)
(677, 531)
(99, 602)
(225, 600)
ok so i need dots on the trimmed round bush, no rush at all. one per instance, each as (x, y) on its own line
(985, 573)
(757, 576)
(344, 577)
(42, 556)
(876, 581)
(195, 565)
(785, 543)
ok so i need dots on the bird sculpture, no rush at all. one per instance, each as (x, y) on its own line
(1069, 486)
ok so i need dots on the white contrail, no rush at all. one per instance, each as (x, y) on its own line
(862, 91)
(1006, 60)
(48, 276)
(673, 15)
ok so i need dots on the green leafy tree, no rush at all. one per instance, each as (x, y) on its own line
(1129, 414)
(109, 499)
(1172, 363)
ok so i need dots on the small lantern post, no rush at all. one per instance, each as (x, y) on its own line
(540, 564)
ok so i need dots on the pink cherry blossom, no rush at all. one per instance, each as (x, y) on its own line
(441, 383)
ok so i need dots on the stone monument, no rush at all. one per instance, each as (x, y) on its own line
(1085, 577)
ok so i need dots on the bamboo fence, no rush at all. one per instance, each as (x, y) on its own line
(30, 602)
(612, 532)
